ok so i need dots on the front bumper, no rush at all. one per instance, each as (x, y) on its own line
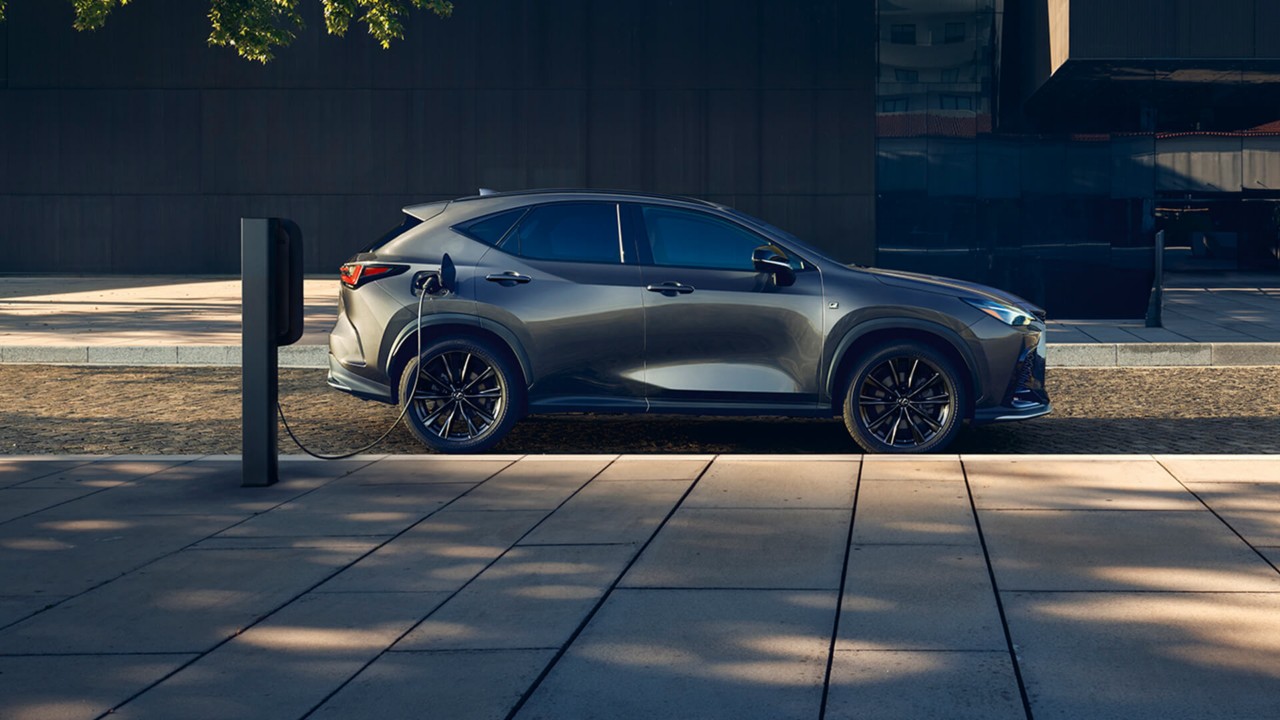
(1026, 396)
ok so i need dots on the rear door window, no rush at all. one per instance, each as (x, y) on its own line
(577, 232)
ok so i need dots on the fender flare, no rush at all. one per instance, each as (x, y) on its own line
(484, 324)
(861, 330)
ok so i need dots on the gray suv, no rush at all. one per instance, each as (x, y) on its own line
(478, 311)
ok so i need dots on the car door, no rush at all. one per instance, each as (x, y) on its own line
(564, 283)
(718, 331)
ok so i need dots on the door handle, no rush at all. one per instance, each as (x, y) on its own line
(671, 289)
(508, 278)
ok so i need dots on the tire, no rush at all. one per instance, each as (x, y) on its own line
(904, 397)
(467, 396)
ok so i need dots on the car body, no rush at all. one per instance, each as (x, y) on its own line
(620, 302)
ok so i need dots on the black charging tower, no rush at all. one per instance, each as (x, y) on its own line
(270, 316)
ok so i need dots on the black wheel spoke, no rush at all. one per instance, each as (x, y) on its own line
(466, 363)
(488, 371)
(484, 414)
(933, 424)
(916, 434)
(879, 421)
(926, 384)
(893, 435)
(448, 371)
(471, 427)
(882, 386)
(911, 376)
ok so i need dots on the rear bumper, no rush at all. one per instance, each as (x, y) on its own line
(345, 380)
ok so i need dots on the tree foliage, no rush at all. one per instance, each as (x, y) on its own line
(255, 28)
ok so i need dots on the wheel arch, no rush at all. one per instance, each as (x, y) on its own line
(862, 338)
(434, 326)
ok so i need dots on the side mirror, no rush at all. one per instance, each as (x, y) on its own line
(770, 259)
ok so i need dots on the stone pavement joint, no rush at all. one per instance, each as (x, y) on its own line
(641, 586)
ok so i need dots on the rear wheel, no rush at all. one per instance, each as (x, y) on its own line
(465, 398)
(904, 398)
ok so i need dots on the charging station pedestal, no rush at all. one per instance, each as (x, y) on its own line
(270, 316)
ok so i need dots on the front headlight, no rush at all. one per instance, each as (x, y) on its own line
(1003, 312)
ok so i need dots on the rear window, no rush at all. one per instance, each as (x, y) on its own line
(490, 229)
(405, 225)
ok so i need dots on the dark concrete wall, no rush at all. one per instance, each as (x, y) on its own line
(136, 148)
(1174, 29)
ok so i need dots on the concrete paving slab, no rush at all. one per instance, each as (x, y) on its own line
(914, 512)
(1064, 485)
(349, 497)
(100, 474)
(1251, 509)
(19, 501)
(1272, 554)
(533, 597)
(695, 654)
(442, 552)
(868, 685)
(356, 543)
(533, 485)
(17, 472)
(893, 594)
(460, 685)
(1121, 551)
(1161, 656)
(286, 522)
(16, 607)
(1229, 470)
(186, 602)
(76, 687)
(796, 549)
(287, 664)
(193, 489)
(944, 468)
(62, 553)
(775, 484)
(655, 467)
(616, 511)
(427, 469)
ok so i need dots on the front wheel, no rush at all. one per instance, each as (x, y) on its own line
(904, 398)
(466, 396)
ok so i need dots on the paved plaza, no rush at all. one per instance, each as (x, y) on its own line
(578, 586)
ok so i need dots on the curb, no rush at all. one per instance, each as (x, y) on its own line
(1066, 355)
(290, 356)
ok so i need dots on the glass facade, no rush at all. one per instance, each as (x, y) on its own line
(1059, 212)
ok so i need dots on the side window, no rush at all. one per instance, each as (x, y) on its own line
(686, 238)
(491, 228)
(584, 232)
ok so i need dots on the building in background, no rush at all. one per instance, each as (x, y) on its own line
(1037, 145)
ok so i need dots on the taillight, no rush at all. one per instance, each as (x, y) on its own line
(354, 275)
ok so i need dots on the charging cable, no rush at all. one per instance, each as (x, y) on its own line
(422, 295)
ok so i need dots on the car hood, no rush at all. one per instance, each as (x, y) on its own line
(951, 286)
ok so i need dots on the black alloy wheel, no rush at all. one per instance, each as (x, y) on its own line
(904, 398)
(464, 398)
